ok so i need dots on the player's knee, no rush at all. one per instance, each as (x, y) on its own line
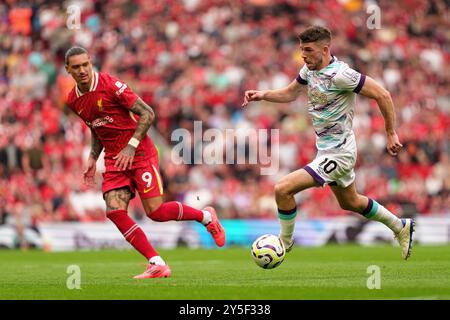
(281, 190)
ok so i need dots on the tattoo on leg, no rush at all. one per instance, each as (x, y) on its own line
(117, 199)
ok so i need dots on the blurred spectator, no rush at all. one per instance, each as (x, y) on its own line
(191, 61)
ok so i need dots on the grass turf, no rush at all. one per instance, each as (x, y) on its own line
(329, 272)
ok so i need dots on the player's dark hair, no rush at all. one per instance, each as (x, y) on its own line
(74, 51)
(315, 33)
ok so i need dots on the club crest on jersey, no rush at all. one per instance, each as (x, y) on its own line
(327, 80)
(99, 104)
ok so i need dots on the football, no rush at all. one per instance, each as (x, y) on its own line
(268, 251)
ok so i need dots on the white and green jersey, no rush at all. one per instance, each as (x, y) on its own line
(331, 101)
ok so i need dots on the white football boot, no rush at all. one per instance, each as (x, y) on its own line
(405, 237)
(288, 246)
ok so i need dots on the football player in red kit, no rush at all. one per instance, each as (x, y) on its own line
(119, 121)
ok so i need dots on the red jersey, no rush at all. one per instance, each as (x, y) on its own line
(105, 108)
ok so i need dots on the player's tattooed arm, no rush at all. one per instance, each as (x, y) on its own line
(146, 115)
(146, 118)
(96, 146)
(96, 149)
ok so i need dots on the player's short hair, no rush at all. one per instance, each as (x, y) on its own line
(314, 34)
(74, 51)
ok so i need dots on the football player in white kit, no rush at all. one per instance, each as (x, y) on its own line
(332, 87)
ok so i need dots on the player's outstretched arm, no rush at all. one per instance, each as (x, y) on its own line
(146, 117)
(287, 94)
(374, 90)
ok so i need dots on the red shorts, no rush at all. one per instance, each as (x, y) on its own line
(143, 177)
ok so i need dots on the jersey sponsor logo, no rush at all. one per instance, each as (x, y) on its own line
(327, 83)
(100, 122)
(326, 80)
(99, 104)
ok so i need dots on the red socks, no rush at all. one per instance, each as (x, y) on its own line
(132, 232)
(175, 210)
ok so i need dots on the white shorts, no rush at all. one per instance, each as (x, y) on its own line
(335, 166)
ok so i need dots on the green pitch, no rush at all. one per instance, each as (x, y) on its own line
(330, 272)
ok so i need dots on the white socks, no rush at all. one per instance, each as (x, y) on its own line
(377, 212)
(157, 260)
(287, 230)
(206, 217)
(287, 224)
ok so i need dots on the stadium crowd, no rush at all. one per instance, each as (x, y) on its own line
(192, 60)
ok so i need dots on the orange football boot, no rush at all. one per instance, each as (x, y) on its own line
(154, 271)
(215, 228)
